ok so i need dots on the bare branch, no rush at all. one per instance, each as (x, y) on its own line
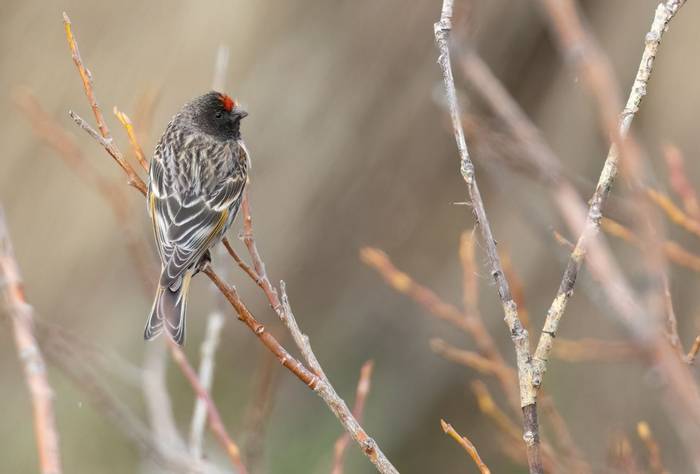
(133, 179)
(86, 78)
(326, 391)
(13, 302)
(674, 213)
(596, 71)
(517, 331)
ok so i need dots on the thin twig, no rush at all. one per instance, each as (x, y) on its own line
(470, 359)
(363, 386)
(133, 180)
(488, 407)
(467, 445)
(674, 213)
(86, 378)
(425, 297)
(260, 275)
(215, 422)
(517, 331)
(133, 141)
(326, 391)
(52, 133)
(588, 349)
(104, 137)
(14, 303)
(86, 78)
(673, 250)
(244, 266)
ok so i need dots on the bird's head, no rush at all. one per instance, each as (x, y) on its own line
(218, 115)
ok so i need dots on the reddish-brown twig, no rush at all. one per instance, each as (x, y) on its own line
(215, 422)
(428, 299)
(471, 359)
(12, 300)
(104, 136)
(674, 213)
(49, 131)
(239, 261)
(363, 386)
(86, 77)
(467, 445)
(673, 250)
(588, 349)
(260, 275)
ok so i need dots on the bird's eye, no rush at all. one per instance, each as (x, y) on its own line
(219, 114)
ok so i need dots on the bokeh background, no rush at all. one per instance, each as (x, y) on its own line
(351, 147)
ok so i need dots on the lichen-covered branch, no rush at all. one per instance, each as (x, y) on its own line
(517, 332)
(595, 68)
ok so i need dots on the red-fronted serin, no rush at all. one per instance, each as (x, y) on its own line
(196, 181)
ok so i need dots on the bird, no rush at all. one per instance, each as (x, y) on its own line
(196, 183)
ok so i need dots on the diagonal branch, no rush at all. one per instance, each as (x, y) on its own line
(517, 331)
(572, 36)
(12, 300)
(467, 445)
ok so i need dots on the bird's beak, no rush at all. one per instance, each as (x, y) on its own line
(241, 113)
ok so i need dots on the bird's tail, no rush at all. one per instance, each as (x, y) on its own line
(168, 311)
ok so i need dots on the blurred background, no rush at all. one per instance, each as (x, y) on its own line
(351, 147)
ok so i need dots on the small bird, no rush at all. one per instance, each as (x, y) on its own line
(196, 181)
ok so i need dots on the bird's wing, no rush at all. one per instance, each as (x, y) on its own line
(186, 226)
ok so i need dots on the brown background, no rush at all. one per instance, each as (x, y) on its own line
(350, 147)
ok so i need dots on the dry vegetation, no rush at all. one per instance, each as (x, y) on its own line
(520, 375)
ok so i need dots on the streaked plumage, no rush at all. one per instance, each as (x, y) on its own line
(196, 181)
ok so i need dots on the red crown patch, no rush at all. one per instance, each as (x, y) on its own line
(228, 102)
